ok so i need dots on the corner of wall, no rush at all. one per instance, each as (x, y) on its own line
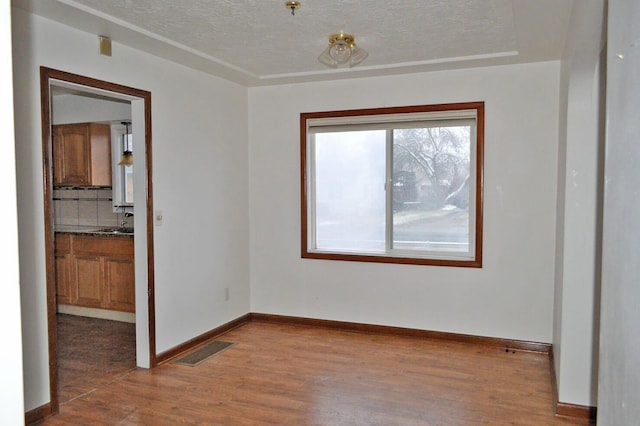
(578, 236)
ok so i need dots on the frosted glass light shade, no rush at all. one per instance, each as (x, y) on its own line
(357, 55)
(127, 159)
(342, 52)
(325, 58)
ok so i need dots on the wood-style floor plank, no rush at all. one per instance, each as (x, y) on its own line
(91, 353)
(295, 375)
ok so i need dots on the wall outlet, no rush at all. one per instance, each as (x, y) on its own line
(226, 294)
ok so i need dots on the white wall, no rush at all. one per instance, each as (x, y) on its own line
(510, 297)
(578, 226)
(11, 385)
(619, 385)
(199, 132)
(560, 207)
(81, 109)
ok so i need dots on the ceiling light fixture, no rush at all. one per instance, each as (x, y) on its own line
(342, 52)
(293, 5)
(127, 154)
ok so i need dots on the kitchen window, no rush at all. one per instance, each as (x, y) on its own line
(394, 185)
(122, 174)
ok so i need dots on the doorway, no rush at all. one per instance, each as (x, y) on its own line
(140, 101)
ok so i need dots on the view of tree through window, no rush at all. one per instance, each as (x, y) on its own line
(394, 189)
(431, 171)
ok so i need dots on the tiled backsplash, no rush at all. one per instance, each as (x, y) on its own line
(85, 207)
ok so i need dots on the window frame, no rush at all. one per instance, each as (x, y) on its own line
(120, 204)
(306, 191)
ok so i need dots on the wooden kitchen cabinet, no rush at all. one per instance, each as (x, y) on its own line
(81, 154)
(62, 254)
(89, 282)
(101, 272)
(105, 273)
(119, 279)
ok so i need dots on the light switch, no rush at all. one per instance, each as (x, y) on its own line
(158, 218)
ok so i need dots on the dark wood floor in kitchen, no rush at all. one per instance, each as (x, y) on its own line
(92, 353)
(296, 375)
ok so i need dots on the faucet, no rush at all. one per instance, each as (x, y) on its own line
(126, 215)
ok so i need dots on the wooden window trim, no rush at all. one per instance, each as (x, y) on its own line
(474, 263)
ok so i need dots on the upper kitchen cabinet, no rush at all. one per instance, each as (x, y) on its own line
(81, 154)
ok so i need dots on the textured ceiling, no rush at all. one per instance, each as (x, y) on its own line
(260, 42)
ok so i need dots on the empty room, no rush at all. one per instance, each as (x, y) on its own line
(321, 212)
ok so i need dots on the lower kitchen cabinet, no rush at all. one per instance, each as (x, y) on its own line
(119, 279)
(62, 254)
(101, 272)
(89, 281)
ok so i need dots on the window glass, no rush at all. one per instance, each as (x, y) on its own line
(349, 191)
(128, 184)
(430, 200)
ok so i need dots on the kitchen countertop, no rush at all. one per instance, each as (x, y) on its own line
(94, 230)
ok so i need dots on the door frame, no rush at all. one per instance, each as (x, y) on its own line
(47, 75)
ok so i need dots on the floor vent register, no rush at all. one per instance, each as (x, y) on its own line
(202, 354)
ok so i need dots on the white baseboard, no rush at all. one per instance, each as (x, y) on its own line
(97, 313)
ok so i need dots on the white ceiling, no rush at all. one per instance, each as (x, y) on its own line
(259, 42)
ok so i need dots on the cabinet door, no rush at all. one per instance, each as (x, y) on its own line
(89, 281)
(100, 138)
(72, 155)
(120, 284)
(63, 279)
(57, 153)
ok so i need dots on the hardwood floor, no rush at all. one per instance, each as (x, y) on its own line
(92, 353)
(296, 375)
